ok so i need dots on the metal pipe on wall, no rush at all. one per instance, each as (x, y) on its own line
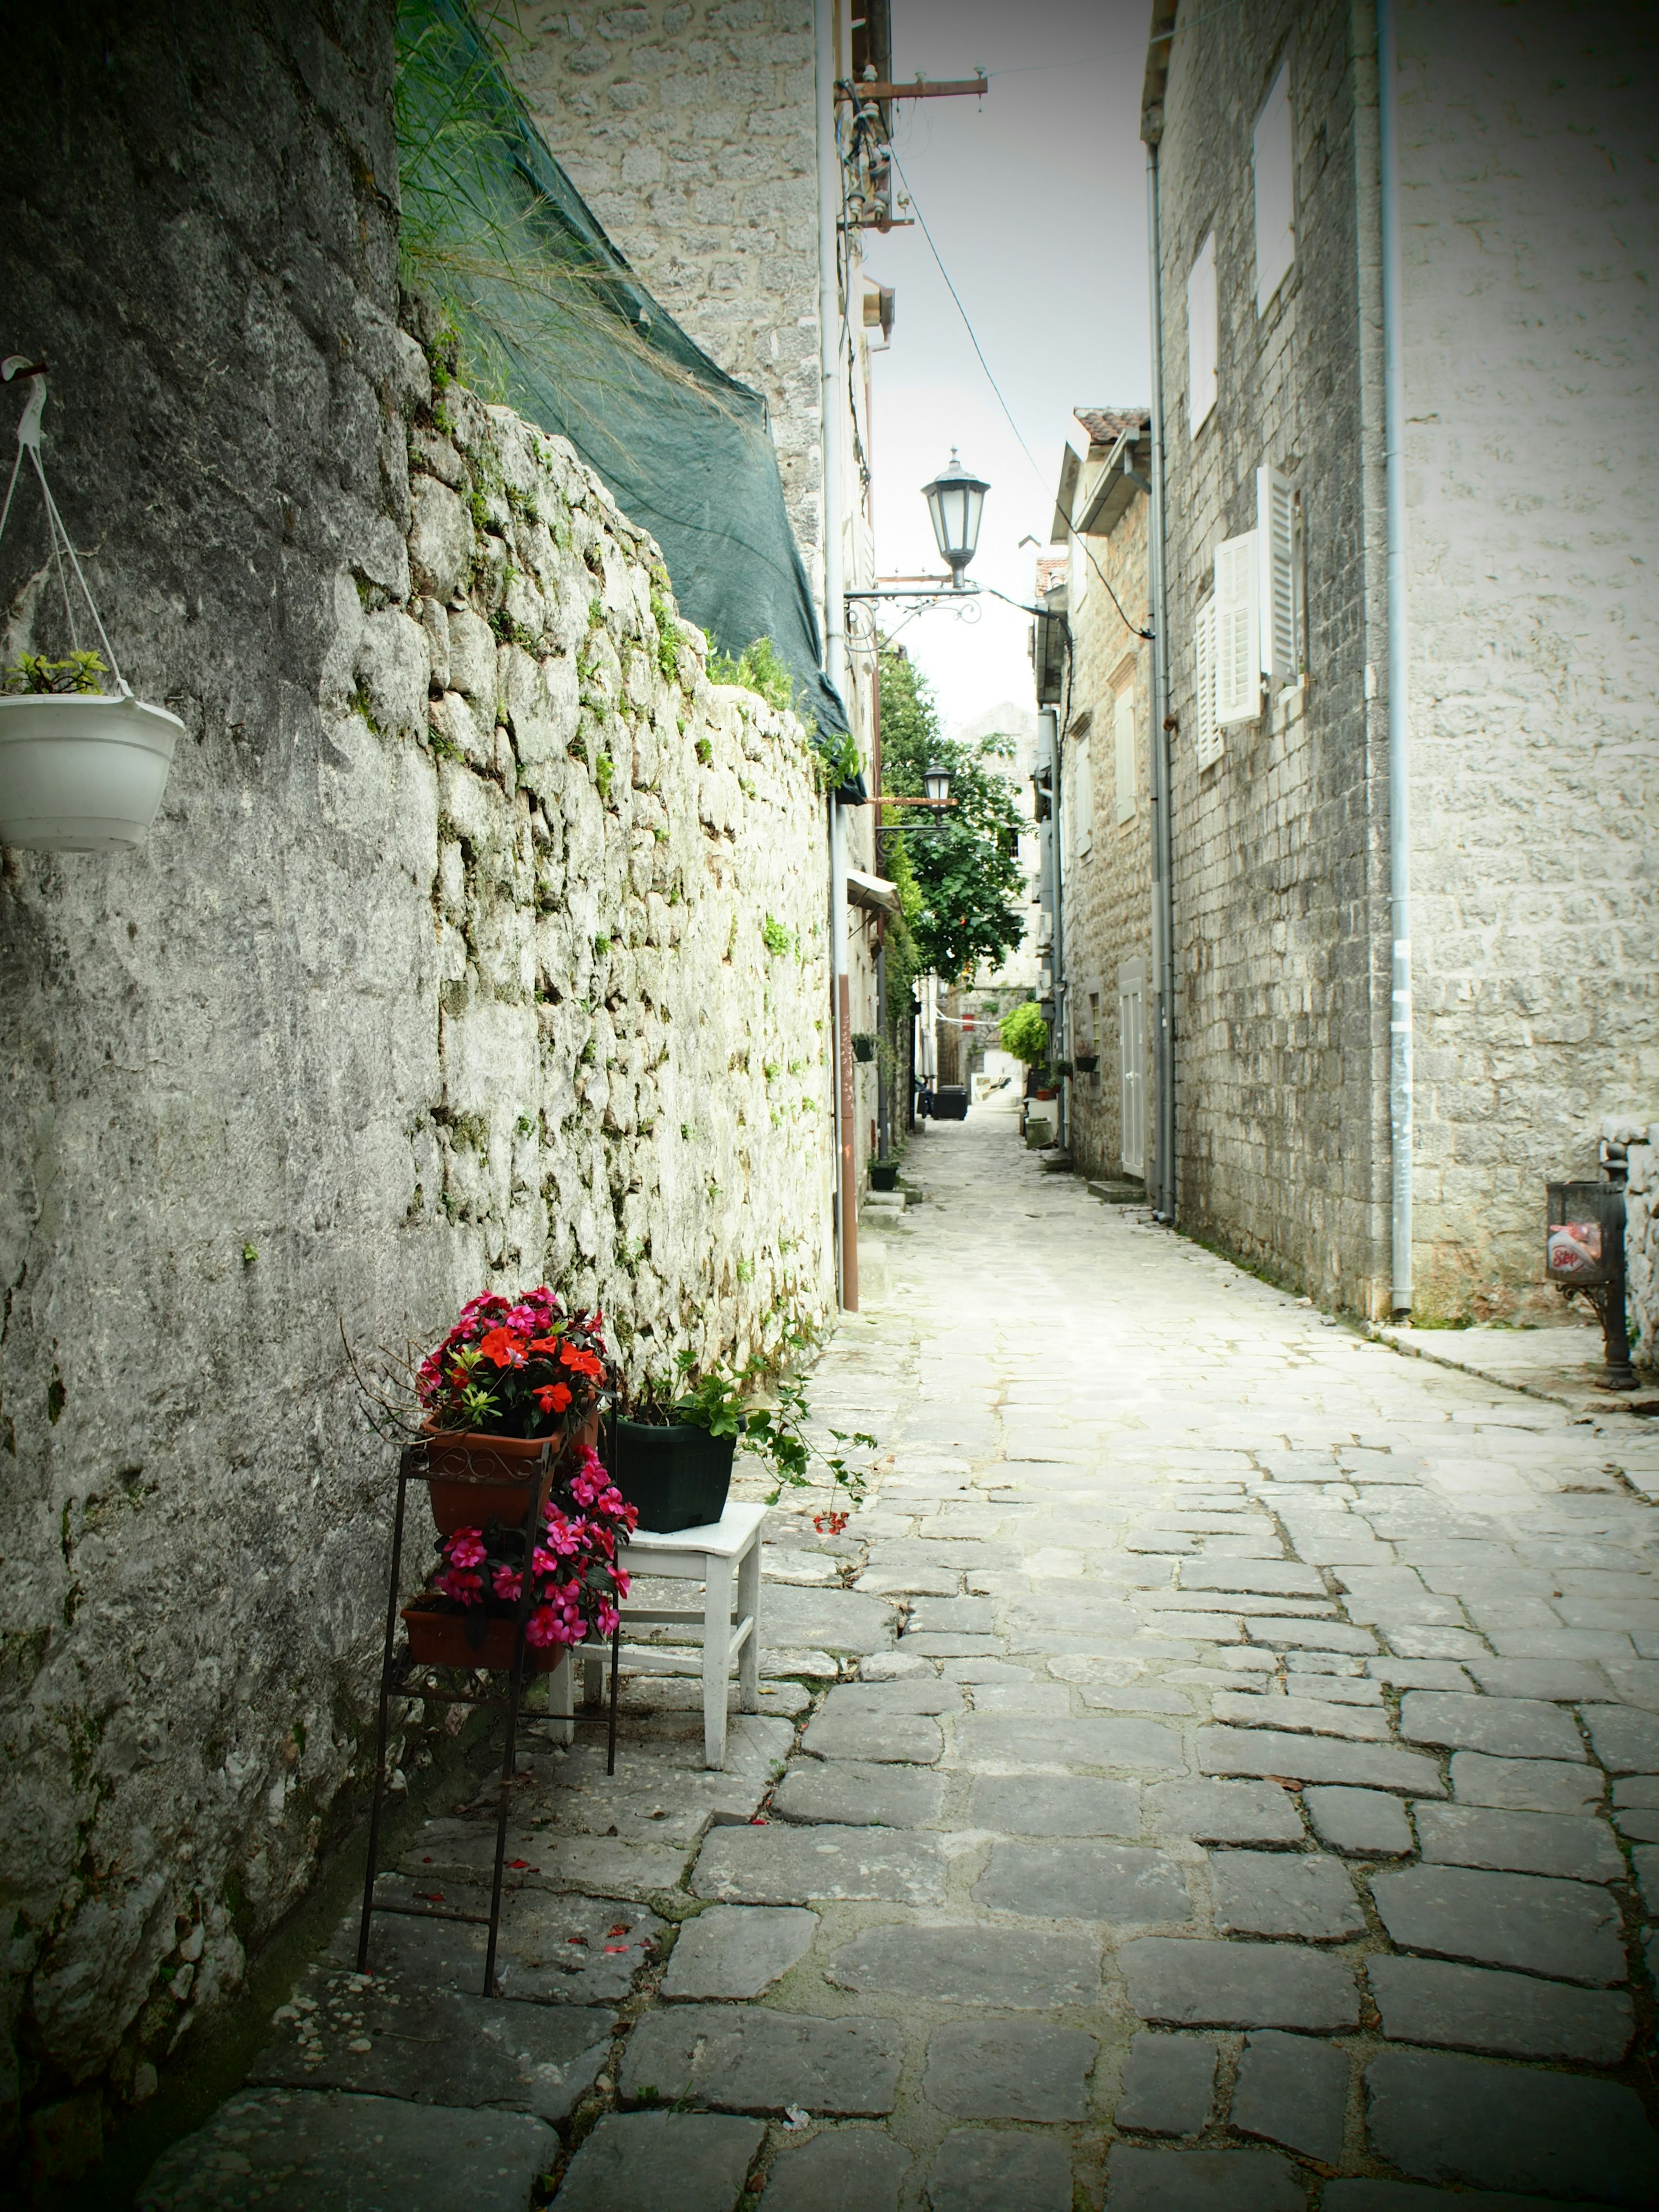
(1398, 700)
(1162, 914)
(835, 624)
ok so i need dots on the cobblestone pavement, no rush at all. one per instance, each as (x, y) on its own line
(1216, 1770)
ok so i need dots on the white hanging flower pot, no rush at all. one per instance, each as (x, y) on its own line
(81, 770)
(82, 773)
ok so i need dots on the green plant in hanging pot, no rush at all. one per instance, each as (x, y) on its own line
(864, 1045)
(81, 769)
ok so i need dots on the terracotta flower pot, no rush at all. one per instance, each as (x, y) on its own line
(439, 1639)
(484, 1478)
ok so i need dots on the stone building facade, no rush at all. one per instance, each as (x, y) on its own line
(480, 941)
(1105, 817)
(1533, 771)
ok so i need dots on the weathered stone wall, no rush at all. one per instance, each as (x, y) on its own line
(1641, 1246)
(1281, 924)
(403, 994)
(691, 133)
(1107, 890)
(1531, 243)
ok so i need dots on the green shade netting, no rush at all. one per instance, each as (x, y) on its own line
(565, 333)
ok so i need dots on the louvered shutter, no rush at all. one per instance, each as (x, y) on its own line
(1237, 631)
(1209, 738)
(1275, 537)
(1275, 191)
(1123, 739)
(1084, 801)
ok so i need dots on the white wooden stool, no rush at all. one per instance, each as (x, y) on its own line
(724, 1556)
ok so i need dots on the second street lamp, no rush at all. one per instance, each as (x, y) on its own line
(936, 782)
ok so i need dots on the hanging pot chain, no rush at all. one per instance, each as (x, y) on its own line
(28, 441)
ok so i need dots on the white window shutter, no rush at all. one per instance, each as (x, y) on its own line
(1209, 738)
(1131, 1071)
(1084, 799)
(1123, 739)
(1275, 538)
(1203, 335)
(1237, 631)
(1275, 191)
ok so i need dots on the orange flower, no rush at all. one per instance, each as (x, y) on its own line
(583, 1362)
(502, 1348)
(553, 1397)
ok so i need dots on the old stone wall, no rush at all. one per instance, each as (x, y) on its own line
(479, 940)
(1107, 882)
(1641, 1246)
(1531, 242)
(690, 130)
(1279, 846)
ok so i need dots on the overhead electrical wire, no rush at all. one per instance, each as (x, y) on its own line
(938, 262)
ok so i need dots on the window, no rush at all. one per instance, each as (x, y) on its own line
(1275, 191)
(1237, 631)
(1131, 1064)
(1202, 336)
(1083, 802)
(1278, 536)
(1123, 737)
(1208, 739)
(1079, 572)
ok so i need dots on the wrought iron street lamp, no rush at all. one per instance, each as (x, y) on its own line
(956, 500)
(936, 782)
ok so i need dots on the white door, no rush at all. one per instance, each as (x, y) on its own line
(1132, 1063)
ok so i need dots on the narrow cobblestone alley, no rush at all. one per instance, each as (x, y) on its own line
(1227, 1781)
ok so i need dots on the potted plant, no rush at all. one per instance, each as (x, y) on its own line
(512, 1378)
(884, 1175)
(864, 1045)
(1087, 1062)
(1062, 1067)
(81, 769)
(672, 1457)
(469, 1614)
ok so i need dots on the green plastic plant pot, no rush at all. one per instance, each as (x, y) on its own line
(884, 1175)
(677, 1476)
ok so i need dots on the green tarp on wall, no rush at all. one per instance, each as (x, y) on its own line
(575, 343)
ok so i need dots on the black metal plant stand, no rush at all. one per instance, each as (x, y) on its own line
(401, 1676)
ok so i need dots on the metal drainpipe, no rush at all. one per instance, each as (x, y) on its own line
(834, 627)
(1163, 914)
(1400, 826)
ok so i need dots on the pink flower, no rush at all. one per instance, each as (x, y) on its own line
(509, 1582)
(467, 1589)
(541, 1628)
(465, 1548)
(607, 1618)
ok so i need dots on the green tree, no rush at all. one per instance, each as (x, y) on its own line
(1025, 1034)
(965, 864)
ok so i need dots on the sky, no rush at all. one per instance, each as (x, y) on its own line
(1035, 198)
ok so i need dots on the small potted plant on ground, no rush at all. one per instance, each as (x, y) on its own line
(884, 1175)
(468, 1615)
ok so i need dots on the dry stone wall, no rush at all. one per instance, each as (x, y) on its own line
(480, 940)
(1642, 1243)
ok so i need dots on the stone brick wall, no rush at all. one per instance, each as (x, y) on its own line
(1642, 1247)
(1279, 883)
(691, 132)
(480, 940)
(1531, 242)
(1107, 891)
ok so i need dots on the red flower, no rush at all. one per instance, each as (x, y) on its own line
(583, 1362)
(553, 1397)
(502, 1348)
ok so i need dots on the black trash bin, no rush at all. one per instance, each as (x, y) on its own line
(951, 1102)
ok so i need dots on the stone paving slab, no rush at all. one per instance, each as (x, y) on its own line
(737, 1950)
(1141, 1746)
(1566, 1843)
(1139, 2180)
(1625, 1742)
(696, 2161)
(1306, 1715)
(970, 1963)
(1566, 1929)
(1224, 1812)
(1419, 2197)
(1009, 2070)
(1292, 2089)
(1440, 2116)
(867, 1733)
(283, 2150)
(460, 1850)
(785, 1865)
(1083, 1878)
(1506, 1727)
(1201, 1983)
(439, 2047)
(1054, 1805)
(850, 1792)
(1365, 1823)
(1298, 1893)
(1310, 1759)
(1523, 1785)
(555, 1949)
(986, 2170)
(850, 2168)
(1167, 2085)
(1519, 2015)
(755, 2059)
